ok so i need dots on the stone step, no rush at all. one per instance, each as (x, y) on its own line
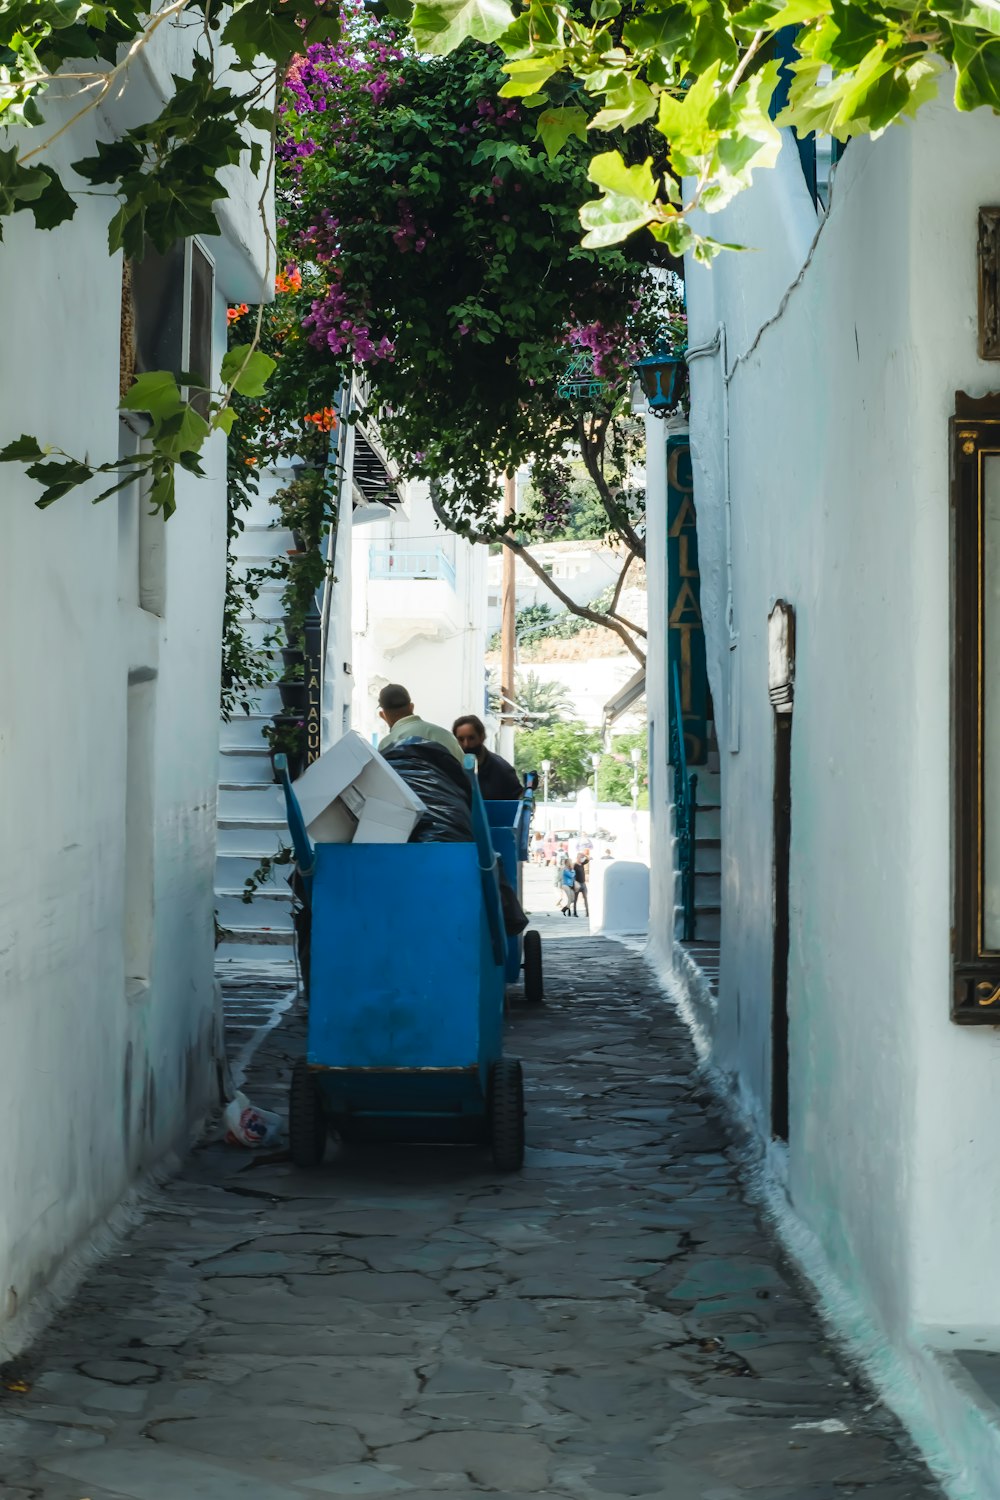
(707, 889)
(709, 784)
(257, 937)
(243, 731)
(236, 954)
(255, 804)
(707, 923)
(708, 823)
(245, 765)
(233, 870)
(251, 837)
(270, 911)
(708, 856)
(266, 637)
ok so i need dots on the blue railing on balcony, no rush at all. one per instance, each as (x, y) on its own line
(388, 562)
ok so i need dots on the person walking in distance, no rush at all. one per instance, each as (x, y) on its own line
(565, 881)
(581, 870)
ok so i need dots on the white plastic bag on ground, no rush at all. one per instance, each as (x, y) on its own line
(246, 1125)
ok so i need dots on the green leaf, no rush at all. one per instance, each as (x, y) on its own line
(157, 392)
(24, 449)
(686, 121)
(248, 373)
(977, 59)
(224, 419)
(182, 433)
(162, 494)
(609, 171)
(611, 219)
(439, 26)
(257, 29)
(528, 76)
(59, 476)
(625, 106)
(556, 126)
(53, 205)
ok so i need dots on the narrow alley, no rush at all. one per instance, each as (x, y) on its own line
(613, 1322)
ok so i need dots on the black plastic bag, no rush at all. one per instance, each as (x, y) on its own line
(430, 770)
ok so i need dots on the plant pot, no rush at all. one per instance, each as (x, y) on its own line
(296, 764)
(293, 657)
(293, 696)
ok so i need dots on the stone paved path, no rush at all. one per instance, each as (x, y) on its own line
(614, 1322)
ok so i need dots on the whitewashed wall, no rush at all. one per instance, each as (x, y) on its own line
(838, 416)
(661, 848)
(423, 633)
(97, 1083)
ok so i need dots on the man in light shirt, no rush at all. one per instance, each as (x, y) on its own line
(395, 706)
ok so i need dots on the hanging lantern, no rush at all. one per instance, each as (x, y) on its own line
(661, 377)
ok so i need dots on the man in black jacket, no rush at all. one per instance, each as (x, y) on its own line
(498, 781)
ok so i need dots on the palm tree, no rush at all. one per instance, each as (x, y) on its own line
(543, 703)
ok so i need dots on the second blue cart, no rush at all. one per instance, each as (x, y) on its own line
(510, 829)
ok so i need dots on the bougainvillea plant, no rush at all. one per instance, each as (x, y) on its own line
(463, 299)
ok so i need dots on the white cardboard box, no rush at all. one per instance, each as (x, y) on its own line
(351, 795)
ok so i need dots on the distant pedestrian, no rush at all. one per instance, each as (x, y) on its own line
(581, 870)
(565, 881)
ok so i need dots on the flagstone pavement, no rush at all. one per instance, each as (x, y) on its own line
(613, 1322)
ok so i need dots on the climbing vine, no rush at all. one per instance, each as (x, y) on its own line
(60, 62)
(699, 93)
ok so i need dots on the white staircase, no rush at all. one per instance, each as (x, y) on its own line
(251, 818)
(703, 949)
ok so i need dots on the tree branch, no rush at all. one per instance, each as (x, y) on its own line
(591, 447)
(620, 626)
(613, 606)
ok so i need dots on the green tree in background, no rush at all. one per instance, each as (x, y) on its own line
(569, 748)
(614, 775)
(544, 701)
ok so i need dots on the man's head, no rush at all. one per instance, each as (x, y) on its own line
(471, 735)
(394, 703)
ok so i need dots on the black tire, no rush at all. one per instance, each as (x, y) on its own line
(507, 1114)
(306, 1120)
(534, 988)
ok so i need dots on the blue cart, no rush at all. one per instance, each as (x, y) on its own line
(510, 828)
(408, 960)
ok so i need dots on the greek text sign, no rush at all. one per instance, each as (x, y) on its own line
(685, 631)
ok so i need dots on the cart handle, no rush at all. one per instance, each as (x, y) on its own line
(487, 856)
(305, 856)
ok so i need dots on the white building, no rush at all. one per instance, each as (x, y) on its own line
(109, 681)
(836, 472)
(419, 615)
(582, 569)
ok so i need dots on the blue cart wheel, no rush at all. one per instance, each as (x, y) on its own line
(534, 989)
(506, 1110)
(306, 1120)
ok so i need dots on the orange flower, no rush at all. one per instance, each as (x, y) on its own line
(289, 280)
(234, 314)
(324, 421)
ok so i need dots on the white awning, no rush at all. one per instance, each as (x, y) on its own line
(633, 690)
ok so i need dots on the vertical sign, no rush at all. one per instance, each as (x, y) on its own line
(685, 632)
(313, 633)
